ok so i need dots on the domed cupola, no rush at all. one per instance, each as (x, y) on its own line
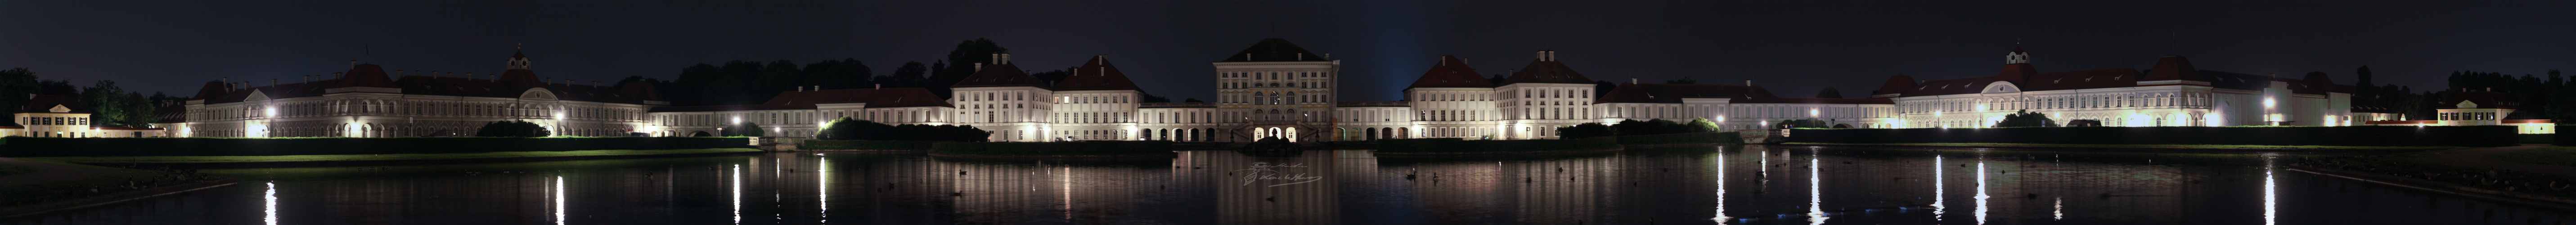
(519, 61)
(2017, 57)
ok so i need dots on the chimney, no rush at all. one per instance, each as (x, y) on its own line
(469, 75)
(353, 63)
(818, 87)
(1301, 56)
(979, 67)
(594, 83)
(1748, 83)
(308, 78)
(1632, 80)
(880, 86)
(272, 82)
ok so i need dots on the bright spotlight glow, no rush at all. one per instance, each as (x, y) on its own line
(2267, 102)
(1981, 107)
(272, 112)
(1811, 113)
(559, 200)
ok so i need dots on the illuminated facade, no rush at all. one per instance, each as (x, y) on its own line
(63, 116)
(2172, 94)
(366, 101)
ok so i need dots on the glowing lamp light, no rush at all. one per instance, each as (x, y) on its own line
(559, 116)
(737, 120)
(1811, 112)
(272, 112)
(2267, 102)
(1721, 119)
(1981, 107)
(1936, 113)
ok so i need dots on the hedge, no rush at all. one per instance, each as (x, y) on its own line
(1455, 145)
(2535, 138)
(1054, 148)
(864, 145)
(43, 147)
(1681, 138)
(2247, 135)
(2565, 138)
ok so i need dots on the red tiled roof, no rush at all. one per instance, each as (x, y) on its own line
(1000, 75)
(1451, 72)
(2401, 122)
(875, 98)
(365, 75)
(2174, 67)
(1674, 93)
(46, 103)
(1836, 101)
(1274, 50)
(2484, 99)
(1097, 74)
(1895, 85)
(1546, 71)
(1970, 85)
(2526, 121)
(2085, 79)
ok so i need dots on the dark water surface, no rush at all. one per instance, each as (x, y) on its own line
(1682, 185)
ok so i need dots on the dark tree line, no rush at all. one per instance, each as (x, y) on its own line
(513, 128)
(109, 104)
(752, 82)
(1634, 127)
(2541, 97)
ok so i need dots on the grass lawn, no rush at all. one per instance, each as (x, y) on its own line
(2008, 145)
(2550, 155)
(6, 170)
(329, 158)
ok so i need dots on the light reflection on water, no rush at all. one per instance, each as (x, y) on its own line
(1638, 186)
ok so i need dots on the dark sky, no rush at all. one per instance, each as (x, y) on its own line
(1793, 47)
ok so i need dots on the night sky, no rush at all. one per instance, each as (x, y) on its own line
(1794, 48)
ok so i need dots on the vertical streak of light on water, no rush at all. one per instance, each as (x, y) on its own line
(559, 200)
(272, 203)
(823, 189)
(2271, 208)
(1068, 192)
(1981, 190)
(1815, 189)
(1937, 193)
(737, 193)
(2060, 206)
(1721, 187)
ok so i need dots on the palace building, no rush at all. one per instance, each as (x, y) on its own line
(2173, 93)
(1272, 89)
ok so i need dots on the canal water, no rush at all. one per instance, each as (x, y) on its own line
(1746, 184)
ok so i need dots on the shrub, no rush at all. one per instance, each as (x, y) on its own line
(513, 128)
(2025, 118)
(1801, 123)
(41, 147)
(2253, 135)
(1054, 148)
(1701, 125)
(744, 129)
(1586, 130)
(850, 129)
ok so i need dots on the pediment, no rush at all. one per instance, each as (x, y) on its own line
(256, 95)
(60, 109)
(537, 94)
(2001, 87)
(2468, 105)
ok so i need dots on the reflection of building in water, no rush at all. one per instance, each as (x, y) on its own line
(2020, 186)
(1673, 182)
(1569, 190)
(1085, 192)
(1303, 188)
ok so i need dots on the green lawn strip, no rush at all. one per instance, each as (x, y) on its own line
(2551, 155)
(2151, 146)
(115, 180)
(329, 158)
(6, 170)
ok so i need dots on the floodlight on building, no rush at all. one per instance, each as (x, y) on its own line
(272, 112)
(1936, 113)
(2267, 102)
(1721, 119)
(737, 120)
(1981, 107)
(1812, 112)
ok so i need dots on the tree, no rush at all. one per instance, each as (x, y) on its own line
(907, 75)
(112, 105)
(2025, 118)
(1585, 130)
(513, 128)
(1702, 125)
(2364, 85)
(1829, 92)
(15, 85)
(745, 129)
(1684, 80)
(1497, 79)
